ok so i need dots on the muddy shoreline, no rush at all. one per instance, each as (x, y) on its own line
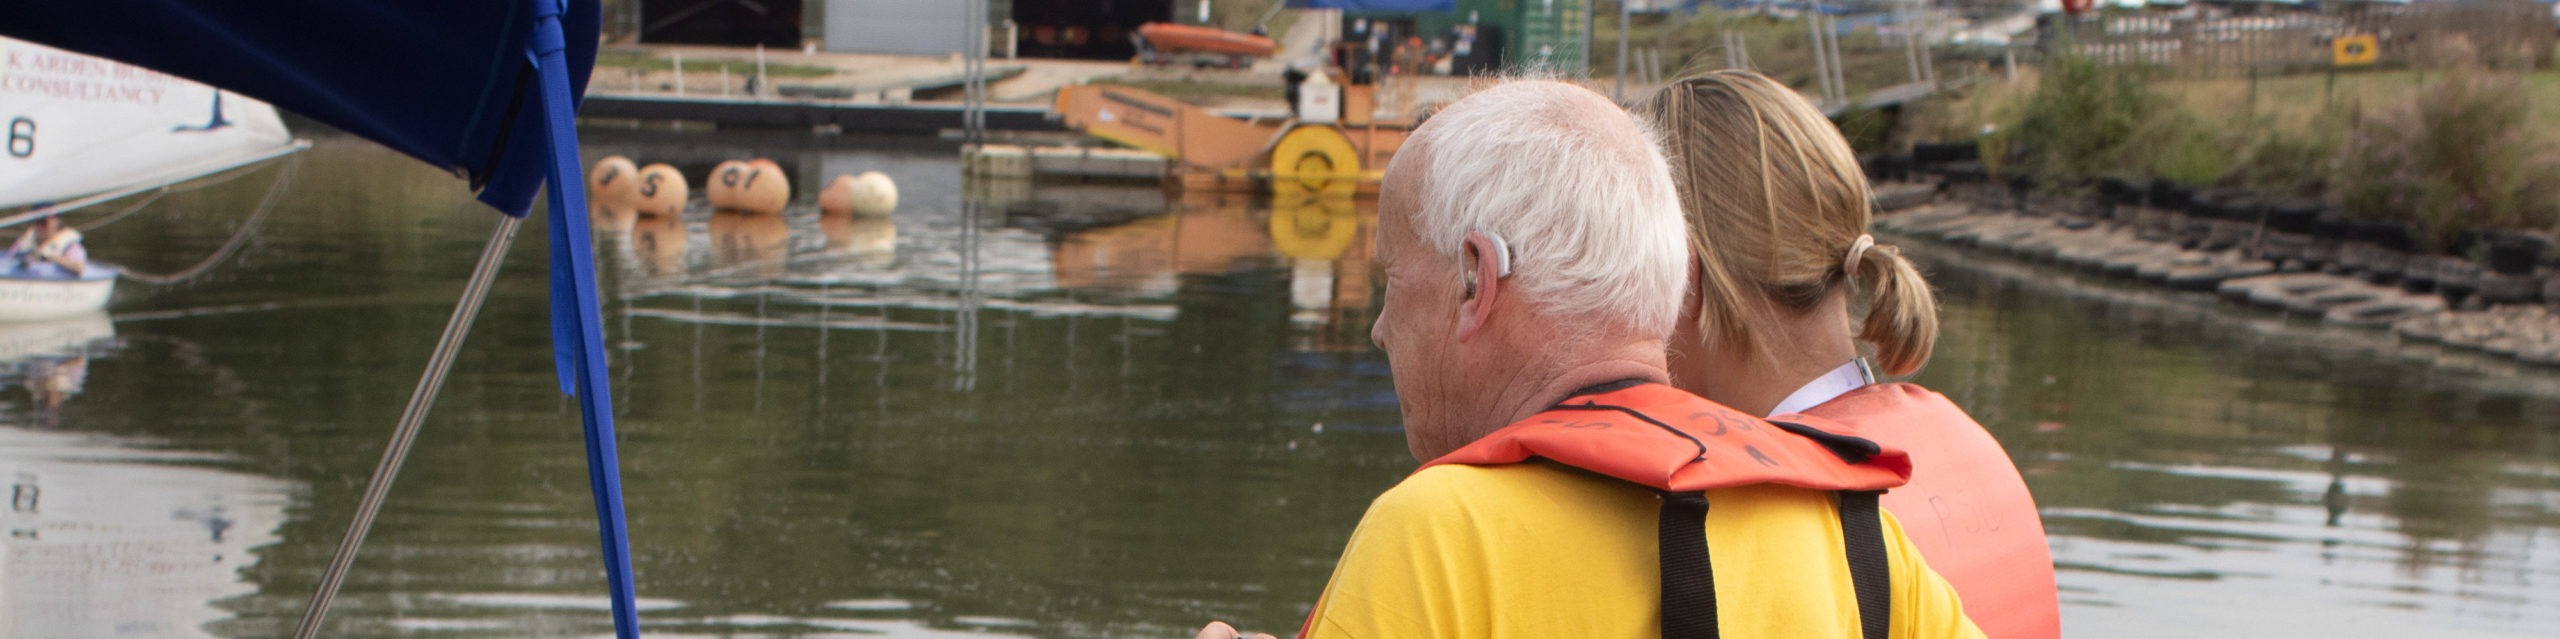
(2244, 264)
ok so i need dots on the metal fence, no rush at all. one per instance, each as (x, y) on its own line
(2211, 43)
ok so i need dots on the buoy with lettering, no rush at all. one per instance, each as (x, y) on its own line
(720, 188)
(614, 182)
(754, 186)
(662, 191)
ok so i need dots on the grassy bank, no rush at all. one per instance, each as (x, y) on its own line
(2293, 103)
(2446, 154)
(2298, 102)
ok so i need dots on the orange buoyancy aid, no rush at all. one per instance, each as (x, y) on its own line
(1683, 445)
(1966, 508)
(1667, 439)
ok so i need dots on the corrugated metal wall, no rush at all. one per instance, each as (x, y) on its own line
(895, 26)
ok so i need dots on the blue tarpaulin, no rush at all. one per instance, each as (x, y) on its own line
(485, 88)
(443, 81)
(1411, 6)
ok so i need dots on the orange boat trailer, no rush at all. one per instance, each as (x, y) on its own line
(1209, 151)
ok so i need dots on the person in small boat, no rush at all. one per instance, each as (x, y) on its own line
(48, 250)
(1532, 242)
(1778, 213)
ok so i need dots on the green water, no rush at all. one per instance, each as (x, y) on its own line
(1088, 411)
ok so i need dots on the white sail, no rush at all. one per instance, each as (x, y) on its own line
(74, 125)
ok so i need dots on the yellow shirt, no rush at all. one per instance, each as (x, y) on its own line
(1542, 550)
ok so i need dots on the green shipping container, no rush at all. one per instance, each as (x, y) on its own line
(1545, 34)
(1551, 35)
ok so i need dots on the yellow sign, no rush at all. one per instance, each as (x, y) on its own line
(2355, 50)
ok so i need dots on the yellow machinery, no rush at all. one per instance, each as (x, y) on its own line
(1217, 152)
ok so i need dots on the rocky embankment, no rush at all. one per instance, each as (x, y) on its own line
(2345, 283)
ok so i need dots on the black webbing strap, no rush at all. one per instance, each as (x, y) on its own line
(1862, 533)
(1688, 580)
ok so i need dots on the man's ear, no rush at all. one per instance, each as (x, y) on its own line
(1483, 285)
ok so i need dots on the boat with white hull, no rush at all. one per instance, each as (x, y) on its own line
(75, 127)
(39, 299)
(77, 130)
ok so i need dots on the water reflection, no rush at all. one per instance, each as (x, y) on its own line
(50, 359)
(1054, 331)
(1036, 409)
(2242, 472)
(104, 537)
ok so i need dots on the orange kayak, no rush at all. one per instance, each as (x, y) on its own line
(1182, 38)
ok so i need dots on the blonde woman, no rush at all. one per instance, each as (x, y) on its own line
(1778, 212)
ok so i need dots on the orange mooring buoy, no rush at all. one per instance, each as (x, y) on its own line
(661, 191)
(753, 186)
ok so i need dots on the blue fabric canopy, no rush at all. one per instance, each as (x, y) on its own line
(485, 88)
(1416, 6)
(444, 81)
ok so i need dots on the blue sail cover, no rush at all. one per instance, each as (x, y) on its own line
(1412, 6)
(485, 88)
(444, 81)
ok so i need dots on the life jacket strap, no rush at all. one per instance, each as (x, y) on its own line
(1688, 578)
(1689, 575)
(1862, 534)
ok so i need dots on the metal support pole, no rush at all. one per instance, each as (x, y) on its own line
(1821, 64)
(1910, 23)
(1625, 13)
(1831, 40)
(974, 64)
(456, 328)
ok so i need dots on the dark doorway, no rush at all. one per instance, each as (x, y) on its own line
(1090, 29)
(772, 23)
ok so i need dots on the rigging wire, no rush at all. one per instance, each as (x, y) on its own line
(266, 204)
(414, 416)
(120, 215)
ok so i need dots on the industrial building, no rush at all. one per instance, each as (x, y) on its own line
(1480, 34)
(1086, 29)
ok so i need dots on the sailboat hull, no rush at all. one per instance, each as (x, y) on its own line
(73, 125)
(34, 300)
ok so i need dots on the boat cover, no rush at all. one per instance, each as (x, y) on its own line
(444, 81)
(485, 88)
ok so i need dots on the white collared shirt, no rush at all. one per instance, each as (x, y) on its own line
(1848, 377)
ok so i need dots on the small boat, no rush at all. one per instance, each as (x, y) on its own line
(1163, 41)
(25, 299)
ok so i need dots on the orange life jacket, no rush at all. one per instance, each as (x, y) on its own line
(1965, 508)
(1683, 445)
(1669, 440)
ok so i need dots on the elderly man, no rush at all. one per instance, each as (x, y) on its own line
(1532, 244)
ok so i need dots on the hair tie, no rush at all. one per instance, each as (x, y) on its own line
(1857, 252)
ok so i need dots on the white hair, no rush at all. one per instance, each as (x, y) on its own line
(1579, 189)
